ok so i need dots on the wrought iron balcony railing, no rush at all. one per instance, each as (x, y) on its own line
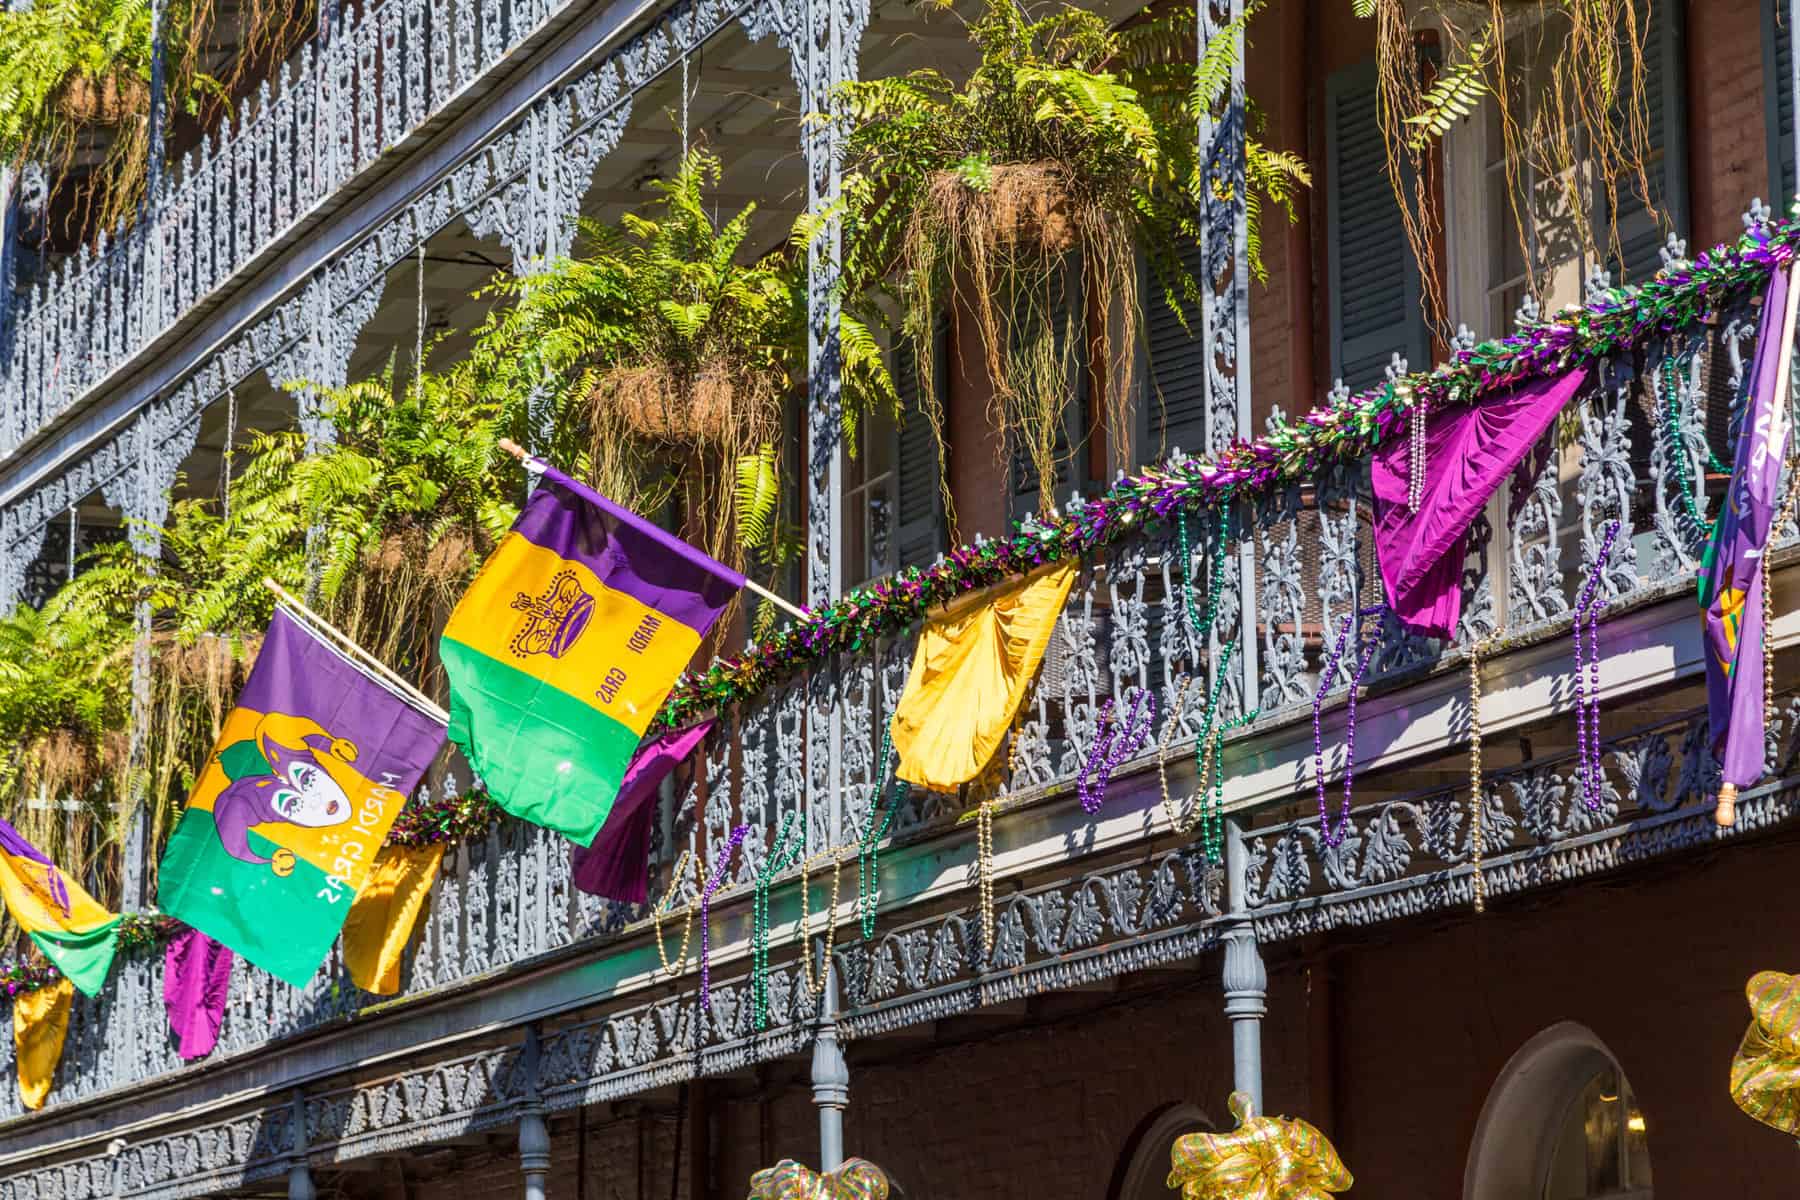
(1628, 450)
(382, 71)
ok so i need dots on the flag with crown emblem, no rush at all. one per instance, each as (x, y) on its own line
(566, 645)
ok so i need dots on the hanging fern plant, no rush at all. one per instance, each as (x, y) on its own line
(75, 86)
(667, 360)
(1070, 141)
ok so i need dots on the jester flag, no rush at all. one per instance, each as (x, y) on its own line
(280, 833)
(1731, 591)
(565, 647)
(68, 925)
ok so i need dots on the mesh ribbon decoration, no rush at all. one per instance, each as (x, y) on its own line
(1264, 1158)
(857, 1179)
(1765, 1073)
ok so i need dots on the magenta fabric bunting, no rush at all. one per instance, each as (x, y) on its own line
(1469, 452)
(196, 984)
(617, 865)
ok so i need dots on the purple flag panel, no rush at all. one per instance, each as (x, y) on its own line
(617, 865)
(629, 553)
(1469, 452)
(1731, 574)
(196, 985)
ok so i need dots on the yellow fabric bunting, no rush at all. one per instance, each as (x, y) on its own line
(1765, 1074)
(1265, 1158)
(40, 1023)
(969, 675)
(381, 920)
(857, 1179)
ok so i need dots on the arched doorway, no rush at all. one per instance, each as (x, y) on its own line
(1143, 1172)
(1560, 1123)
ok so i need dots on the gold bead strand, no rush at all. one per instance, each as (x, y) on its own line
(1477, 800)
(817, 986)
(687, 926)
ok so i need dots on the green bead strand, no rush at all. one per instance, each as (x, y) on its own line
(781, 856)
(868, 855)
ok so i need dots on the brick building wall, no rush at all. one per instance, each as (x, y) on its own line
(1390, 1043)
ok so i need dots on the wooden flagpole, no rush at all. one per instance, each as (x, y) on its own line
(517, 451)
(420, 699)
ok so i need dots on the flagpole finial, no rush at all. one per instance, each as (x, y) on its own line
(1725, 812)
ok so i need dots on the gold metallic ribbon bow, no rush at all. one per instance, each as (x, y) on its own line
(857, 1179)
(1264, 1158)
(1765, 1074)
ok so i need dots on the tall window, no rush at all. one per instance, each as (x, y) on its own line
(1508, 225)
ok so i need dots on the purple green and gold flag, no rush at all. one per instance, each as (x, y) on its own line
(281, 831)
(1731, 591)
(566, 645)
(72, 928)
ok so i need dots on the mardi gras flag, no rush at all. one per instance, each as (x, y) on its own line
(285, 820)
(1731, 591)
(68, 925)
(565, 647)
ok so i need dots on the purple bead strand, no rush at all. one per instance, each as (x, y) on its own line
(1335, 837)
(1588, 607)
(712, 883)
(1121, 742)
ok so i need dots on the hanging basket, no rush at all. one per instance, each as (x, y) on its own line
(655, 404)
(1028, 205)
(108, 99)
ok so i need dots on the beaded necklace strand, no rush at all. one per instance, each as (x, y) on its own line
(1477, 793)
(816, 985)
(693, 905)
(1366, 651)
(1212, 732)
(1114, 742)
(780, 857)
(1586, 627)
(868, 852)
(706, 894)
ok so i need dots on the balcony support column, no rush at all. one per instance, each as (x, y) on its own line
(1225, 316)
(830, 1077)
(534, 1153)
(822, 57)
(1246, 979)
(534, 1135)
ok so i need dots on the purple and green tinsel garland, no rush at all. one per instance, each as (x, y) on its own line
(1617, 322)
(137, 931)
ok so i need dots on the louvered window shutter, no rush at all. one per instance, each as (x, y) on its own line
(1778, 102)
(1665, 166)
(1068, 320)
(921, 499)
(1174, 381)
(1374, 279)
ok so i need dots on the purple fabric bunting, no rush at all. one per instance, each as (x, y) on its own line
(617, 865)
(196, 984)
(1469, 452)
(1731, 573)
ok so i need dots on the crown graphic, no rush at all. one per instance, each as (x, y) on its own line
(553, 620)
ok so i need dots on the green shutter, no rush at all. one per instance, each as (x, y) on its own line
(920, 497)
(1174, 375)
(1373, 285)
(1778, 101)
(1665, 168)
